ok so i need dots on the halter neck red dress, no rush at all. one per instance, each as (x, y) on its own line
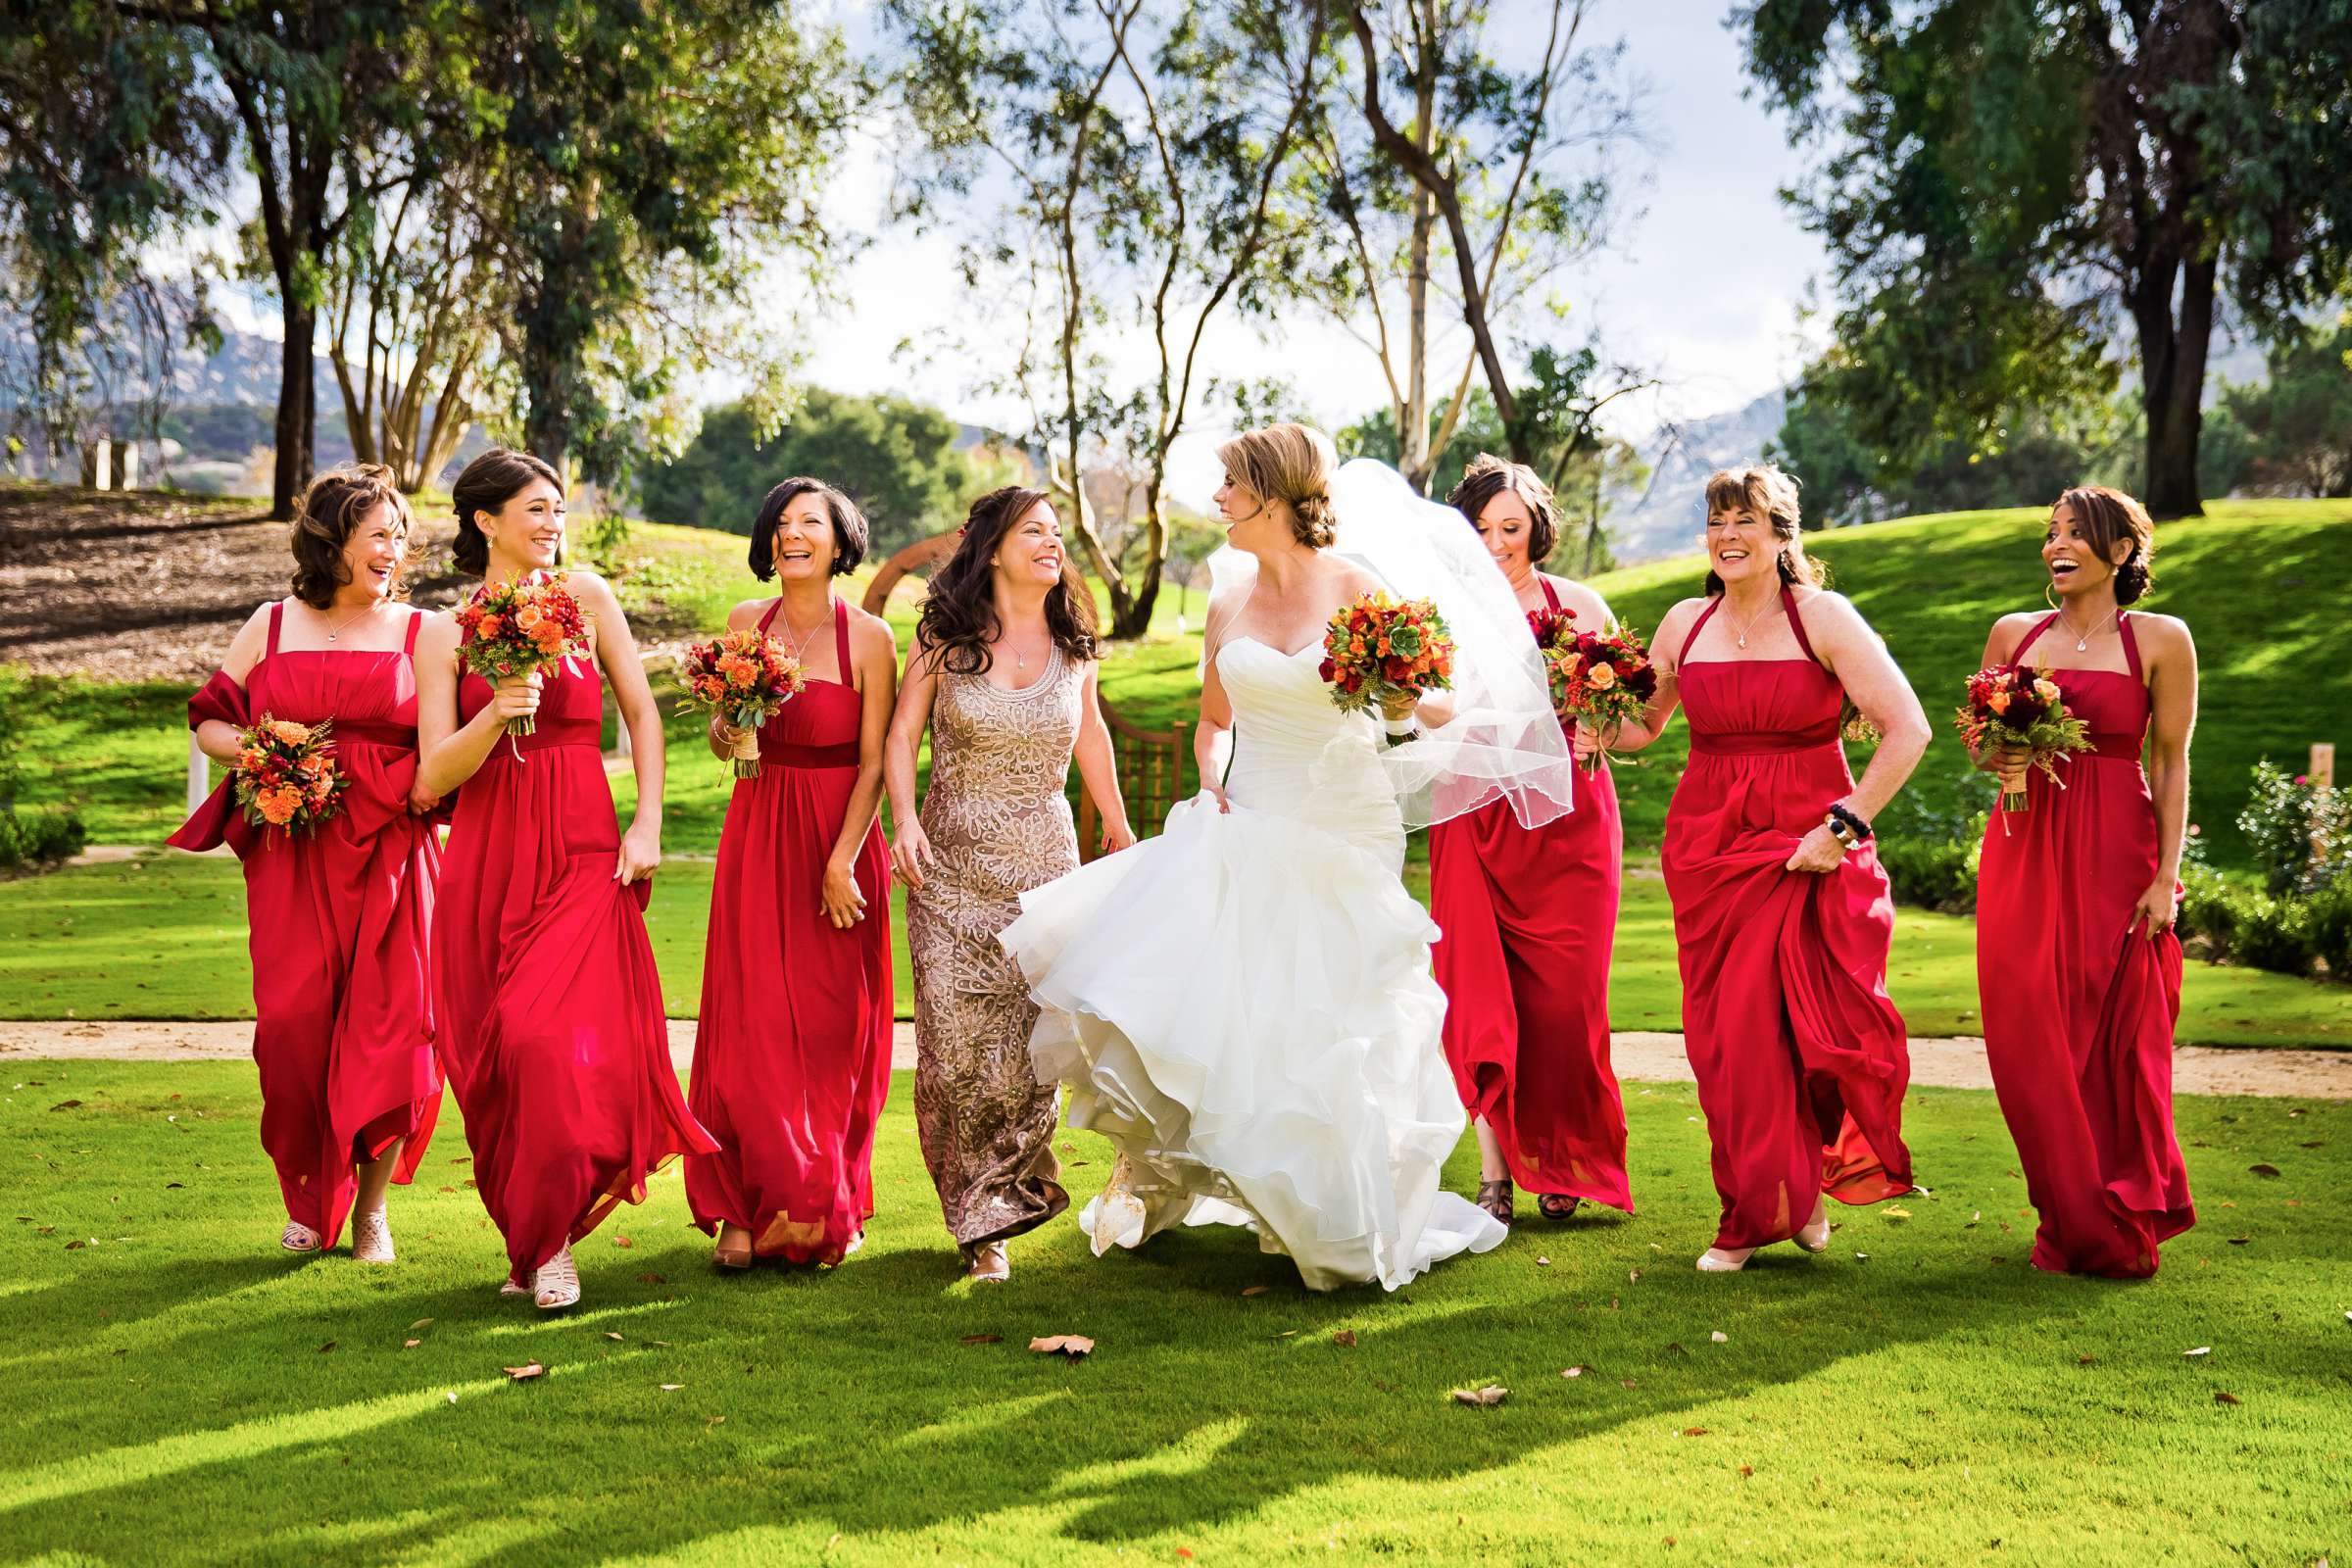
(791, 1058)
(339, 919)
(551, 1007)
(2078, 1013)
(1527, 917)
(1800, 1057)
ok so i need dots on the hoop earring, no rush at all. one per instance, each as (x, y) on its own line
(2050, 595)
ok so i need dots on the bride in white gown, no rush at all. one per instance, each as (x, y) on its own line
(1243, 1005)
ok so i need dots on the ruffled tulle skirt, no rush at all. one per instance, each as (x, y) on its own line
(1243, 1008)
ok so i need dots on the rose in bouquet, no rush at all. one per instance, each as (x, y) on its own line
(743, 678)
(1382, 648)
(2011, 704)
(1600, 679)
(516, 628)
(286, 775)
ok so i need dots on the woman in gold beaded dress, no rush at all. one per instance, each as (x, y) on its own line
(1002, 674)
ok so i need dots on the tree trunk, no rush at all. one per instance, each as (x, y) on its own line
(547, 382)
(1134, 617)
(2172, 355)
(296, 409)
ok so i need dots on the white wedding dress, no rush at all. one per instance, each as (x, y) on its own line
(1243, 1005)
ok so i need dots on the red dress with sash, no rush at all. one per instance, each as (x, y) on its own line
(551, 1007)
(339, 918)
(791, 1058)
(1800, 1057)
(1529, 916)
(2078, 1013)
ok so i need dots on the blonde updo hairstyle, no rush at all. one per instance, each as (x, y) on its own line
(1292, 463)
(1766, 489)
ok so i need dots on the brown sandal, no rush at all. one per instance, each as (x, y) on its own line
(1496, 1199)
(1556, 1207)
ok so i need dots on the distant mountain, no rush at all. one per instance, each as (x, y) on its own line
(1665, 515)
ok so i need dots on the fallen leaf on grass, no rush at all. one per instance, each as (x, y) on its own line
(1576, 1371)
(2262, 1170)
(66, 1104)
(982, 1339)
(1631, 1383)
(449, 1189)
(1542, 1262)
(1072, 1346)
(1255, 1290)
(1694, 1432)
(1632, 1275)
(2086, 1360)
(1896, 1217)
(517, 1374)
(1344, 1338)
(2240, 1240)
(2223, 1397)
(672, 1387)
(2202, 1350)
(1719, 1338)
(167, 1185)
(613, 1337)
(1748, 1469)
(44, 1230)
(622, 1241)
(410, 1345)
(329, 1346)
(650, 1278)
(1492, 1393)
(420, 1324)
(75, 1246)
(714, 1420)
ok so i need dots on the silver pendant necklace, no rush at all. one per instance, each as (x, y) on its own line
(2082, 643)
(336, 630)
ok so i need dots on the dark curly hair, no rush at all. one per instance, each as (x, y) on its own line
(323, 522)
(2105, 516)
(488, 483)
(1488, 476)
(850, 532)
(958, 617)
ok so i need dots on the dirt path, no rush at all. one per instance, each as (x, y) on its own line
(1954, 1063)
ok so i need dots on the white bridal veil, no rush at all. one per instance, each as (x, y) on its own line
(1502, 741)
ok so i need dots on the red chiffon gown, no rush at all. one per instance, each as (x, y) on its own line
(339, 919)
(792, 1059)
(551, 1008)
(1800, 1057)
(1529, 916)
(2078, 1013)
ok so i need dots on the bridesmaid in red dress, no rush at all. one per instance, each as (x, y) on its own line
(1529, 916)
(792, 1059)
(2077, 963)
(1782, 916)
(340, 914)
(544, 981)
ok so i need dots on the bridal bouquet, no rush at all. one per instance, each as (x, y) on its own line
(513, 628)
(286, 775)
(2010, 705)
(743, 677)
(1600, 679)
(1382, 647)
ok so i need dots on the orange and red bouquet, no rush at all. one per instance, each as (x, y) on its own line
(515, 628)
(743, 677)
(286, 775)
(1601, 679)
(1382, 647)
(2011, 704)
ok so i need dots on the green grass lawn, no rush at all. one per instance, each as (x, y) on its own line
(164, 938)
(1917, 1395)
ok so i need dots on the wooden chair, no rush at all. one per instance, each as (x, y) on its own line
(1153, 766)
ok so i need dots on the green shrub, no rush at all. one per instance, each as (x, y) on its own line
(2284, 818)
(1937, 875)
(35, 838)
(2329, 921)
(2209, 907)
(2274, 934)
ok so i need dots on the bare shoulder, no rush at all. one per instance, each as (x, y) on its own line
(1591, 610)
(747, 612)
(1833, 613)
(589, 588)
(872, 634)
(2161, 634)
(1682, 613)
(1352, 580)
(439, 630)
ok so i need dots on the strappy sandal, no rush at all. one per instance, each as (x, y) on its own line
(557, 1283)
(372, 1238)
(1556, 1207)
(297, 1238)
(1496, 1199)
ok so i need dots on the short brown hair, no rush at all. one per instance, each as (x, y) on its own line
(487, 484)
(2105, 516)
(1488, 476)
(323, 522)
(1291, 464)
(1763, 487)
(849, 534)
